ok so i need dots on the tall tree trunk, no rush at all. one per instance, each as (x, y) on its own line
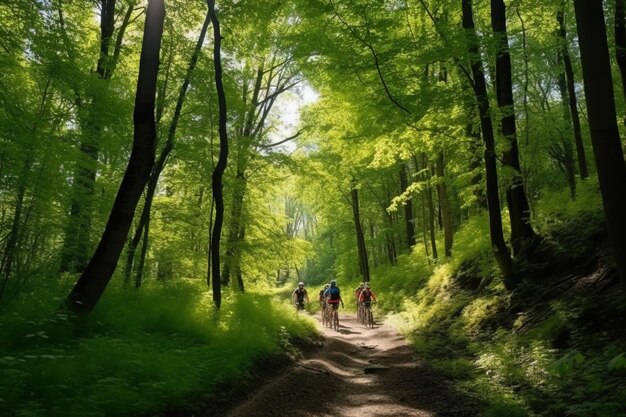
(566, 161)
(607, 146)
(522, 233)
(97, 275)
(8, 257)
(445, 206)
(501, 251)
(360, 238)
(159, 166)
(476, 161)
(232, 260)
(620, 42)
(233, 243)
(424, 234)
(142, 258)
(431, 211)
(76, 244)
(571, 95)
(408, 209)
(218, 172)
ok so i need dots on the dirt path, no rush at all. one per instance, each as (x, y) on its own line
(359, 372)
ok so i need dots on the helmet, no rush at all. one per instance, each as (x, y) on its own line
(300, 284)
(327, 286)
(333, 283)
(367, 285)
(361, 285)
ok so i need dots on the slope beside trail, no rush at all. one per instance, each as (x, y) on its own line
(359, 372)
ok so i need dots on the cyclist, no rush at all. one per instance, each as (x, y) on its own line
(321, 298)
(322, 301)
(333, 295)
(357, 292)
(300, 296)
(367, 295)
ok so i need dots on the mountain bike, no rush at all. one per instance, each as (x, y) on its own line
(324, 308)
(335, 319)
(360, 312)
(368, 316)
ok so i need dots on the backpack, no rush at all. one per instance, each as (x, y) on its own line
(300, 293)
(333, 292)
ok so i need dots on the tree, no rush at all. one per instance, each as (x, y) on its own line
(571, 96)
(607, 147)
(522, 233)
(142, 229)
(77, 240)
(501, 251)
(364, 268)
(93, 281)
(220, 166)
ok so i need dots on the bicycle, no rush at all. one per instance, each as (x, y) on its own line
(359, 312)
(323, 308)
(299, 306)
(335, 319)
(368, 316)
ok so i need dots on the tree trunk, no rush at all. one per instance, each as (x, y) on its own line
(566, 161)
(445, 206)
(431, 212)
(218, 172)
(76, 244)
(360, 238)
(522, 233)
(501, 251)
(607, 147)
(142, 257)
(90, 286)
(476, 162)
(408, 209)
(571, 94)
(8, 257)
(620, 42)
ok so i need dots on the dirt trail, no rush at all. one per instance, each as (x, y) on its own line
(359, 372)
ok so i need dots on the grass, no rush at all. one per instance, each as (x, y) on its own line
(139, 352)
(531, 352)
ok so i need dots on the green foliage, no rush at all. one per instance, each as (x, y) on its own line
(137, 353)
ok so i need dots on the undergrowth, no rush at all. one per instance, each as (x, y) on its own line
(139, 352)
(554, 347)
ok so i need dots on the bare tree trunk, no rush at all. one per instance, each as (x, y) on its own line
(607, 146)
(501, 251)
(408, 209)
(360, 238)
(571, 95)
(620, 42)
(144, 250)
(522, 233)
(218, 172)
(445, 206)
(563, 153)
(92, 283)
(431, 212)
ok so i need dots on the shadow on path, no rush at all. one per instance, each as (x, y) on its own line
(359, 372)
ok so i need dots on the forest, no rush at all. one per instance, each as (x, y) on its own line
(170, 170)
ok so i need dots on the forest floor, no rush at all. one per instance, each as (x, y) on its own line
(359, 372)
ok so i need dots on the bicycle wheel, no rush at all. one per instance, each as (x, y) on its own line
(370, 318)
(336, 320)
(329, 316)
